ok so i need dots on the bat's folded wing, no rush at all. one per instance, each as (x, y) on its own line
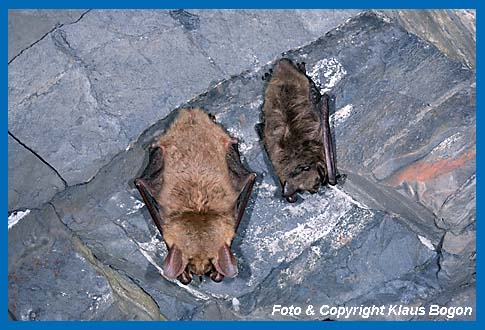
(150, 184)
(242, 181)
(327, 141)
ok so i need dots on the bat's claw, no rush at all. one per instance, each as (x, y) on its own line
(185, 278)
(292, 199)
(232, 142)
(267, 75)
(301, 67)
(212, 117)
(341, 178)
(217, 277)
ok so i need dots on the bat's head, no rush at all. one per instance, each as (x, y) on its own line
(199, 244)
(304, 178)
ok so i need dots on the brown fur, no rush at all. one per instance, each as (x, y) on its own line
(292, 131)
(197, 196)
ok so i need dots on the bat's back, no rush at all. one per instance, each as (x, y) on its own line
(196, 176)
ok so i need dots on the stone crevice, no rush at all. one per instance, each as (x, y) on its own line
(62, 44)
(125, 290)
(44, 90)
(136, 282)
(39, 157)
(191, 34)
(45, 35)
(100, 170)
(458, 191)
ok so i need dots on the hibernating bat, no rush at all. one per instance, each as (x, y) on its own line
(296, 130)
(196, 190)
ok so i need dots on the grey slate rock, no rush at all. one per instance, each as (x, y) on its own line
(53, 276)
(188, 20)
(457, 297)
(33, 193)
(459, 209)
(452, 31)
(372, 268)
(458, 257)
(457, 244)
(88, 92)
(398, 120)
(215, 311)
(94, 86)
(368, 239)
(238, 40)
(21, 33)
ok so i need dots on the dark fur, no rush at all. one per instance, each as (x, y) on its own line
(292, 129)
(192, 187)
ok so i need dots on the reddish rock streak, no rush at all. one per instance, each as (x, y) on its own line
(425, 171)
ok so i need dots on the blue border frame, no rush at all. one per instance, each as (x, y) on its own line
(145, 4)
(344, 4)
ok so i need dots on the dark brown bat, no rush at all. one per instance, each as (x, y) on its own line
(296, 130)
(196, 190)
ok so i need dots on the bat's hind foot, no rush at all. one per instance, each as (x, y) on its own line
(267, 75)
(340, 179)
(301, 67)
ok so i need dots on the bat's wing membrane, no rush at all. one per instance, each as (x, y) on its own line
(327, 140)
(150, 184)
(260, 130)
(242, 180)
(322, 102)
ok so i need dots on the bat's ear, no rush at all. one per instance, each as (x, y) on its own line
(288, 189)
(173, 264)
(289, 192)
(322, 172)
(225, 262)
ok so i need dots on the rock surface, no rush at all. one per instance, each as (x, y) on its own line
(33, 193)
(398, 229)
(21, 35)
(452, 31)
(53, 276)
(93, 87)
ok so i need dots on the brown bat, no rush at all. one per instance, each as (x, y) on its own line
(296, 130)
(196, 190)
